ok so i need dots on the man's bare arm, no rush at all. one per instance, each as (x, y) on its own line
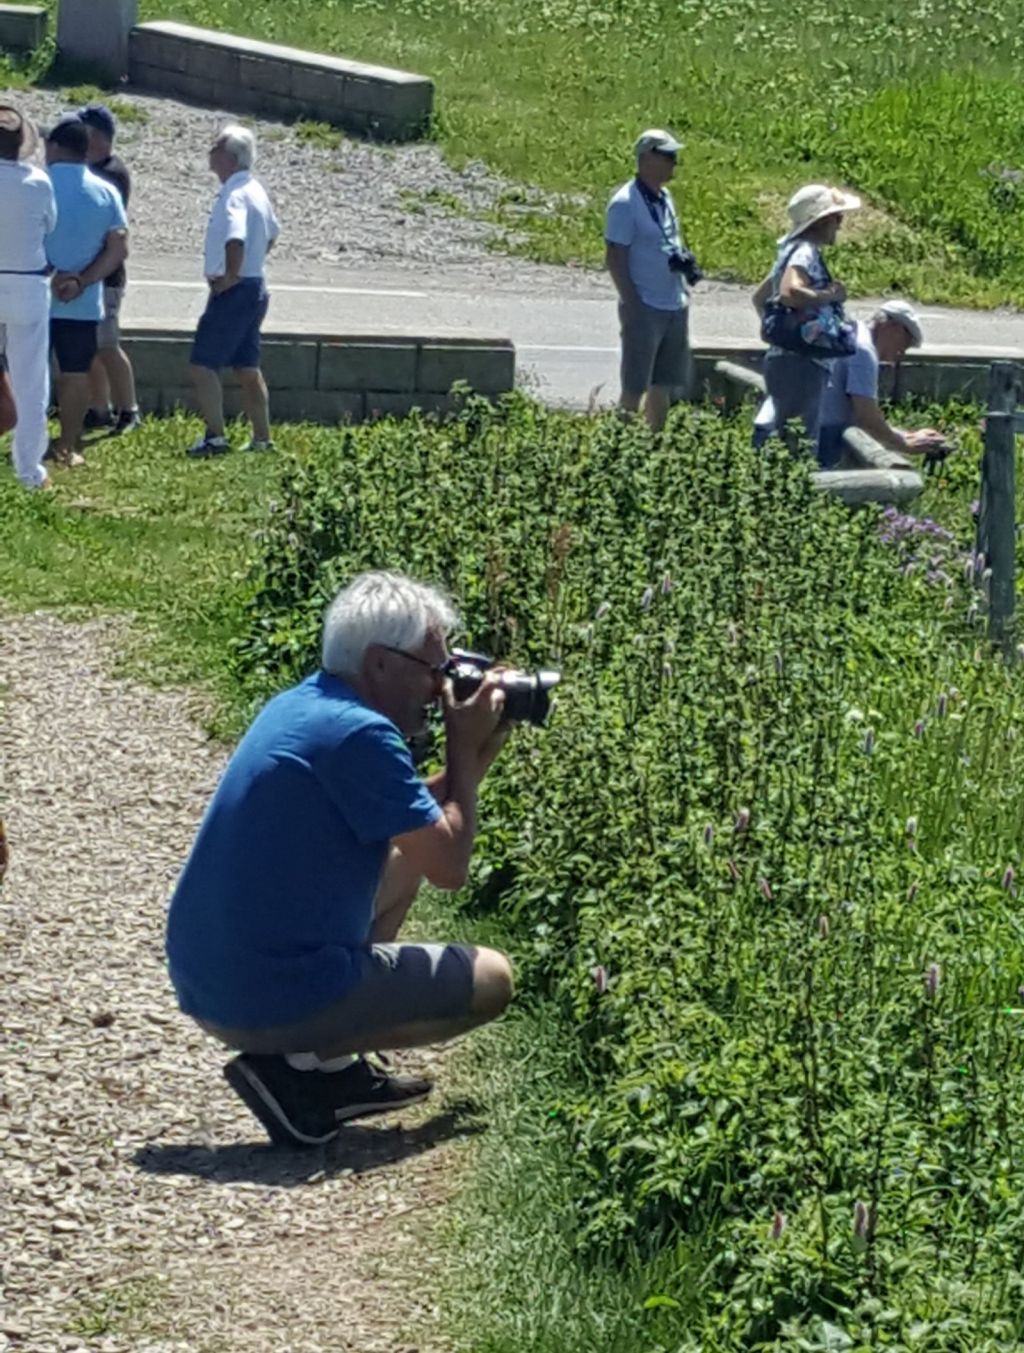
(616, 260)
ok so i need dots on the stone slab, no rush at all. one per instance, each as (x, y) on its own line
(387, 367)
(22, 27)
(93, 36)
(488, 369)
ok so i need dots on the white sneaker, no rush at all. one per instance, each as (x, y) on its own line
(209, 446)
(258, 444)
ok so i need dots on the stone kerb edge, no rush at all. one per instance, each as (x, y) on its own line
(194, 63)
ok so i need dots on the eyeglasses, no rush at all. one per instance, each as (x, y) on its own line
(437, 669)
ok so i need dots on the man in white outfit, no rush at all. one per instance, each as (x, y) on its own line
(28, 213)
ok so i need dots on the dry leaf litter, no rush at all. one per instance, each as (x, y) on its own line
(140, 1210)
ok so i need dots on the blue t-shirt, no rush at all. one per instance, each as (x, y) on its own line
(854, 375)
(88, 209)
(650, 231)
(278, 891)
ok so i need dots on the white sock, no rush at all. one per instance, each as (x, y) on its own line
(309, 1061)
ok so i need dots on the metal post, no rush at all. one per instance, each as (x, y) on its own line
(997, 517)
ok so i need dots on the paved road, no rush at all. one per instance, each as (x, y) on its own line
(565, 336)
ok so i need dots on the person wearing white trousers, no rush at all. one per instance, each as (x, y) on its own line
(28, 213)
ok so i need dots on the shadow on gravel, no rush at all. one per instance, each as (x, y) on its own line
(355, 1150)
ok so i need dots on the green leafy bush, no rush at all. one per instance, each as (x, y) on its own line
(762, 862)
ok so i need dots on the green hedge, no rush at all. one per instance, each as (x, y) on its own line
(762, 860)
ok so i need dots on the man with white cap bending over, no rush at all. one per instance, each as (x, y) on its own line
(851, 396)
(653, 272)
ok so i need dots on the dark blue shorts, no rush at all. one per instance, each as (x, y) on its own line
(228, 333)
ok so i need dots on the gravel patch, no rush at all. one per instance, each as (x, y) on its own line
(139, 1208)
(398, 207)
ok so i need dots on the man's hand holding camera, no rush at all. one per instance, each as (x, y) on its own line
(476, 728)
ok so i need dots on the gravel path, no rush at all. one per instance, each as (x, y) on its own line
(385, 206)
(139, 1210)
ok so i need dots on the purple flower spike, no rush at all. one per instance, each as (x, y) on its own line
(778, 1225)
(912, 891)
(742, 820)
(709, 834)
(1008, 877)
(869, 742)
(919, 729)
(766, 889)
(602, 610)
(911, 826)
(600, 976)
(940, 708)
(647, 598)
(779, 666)
(734, 873)
(823, 926)
(861, 1221)
(933, 979)
(666, 585)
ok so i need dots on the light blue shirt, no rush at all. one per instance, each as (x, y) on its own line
(854, 375)
(650, 232)
(88, 209)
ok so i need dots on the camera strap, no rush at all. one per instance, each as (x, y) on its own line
(673, 238)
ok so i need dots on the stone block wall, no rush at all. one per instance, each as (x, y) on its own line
(22, 27)
(260, 77)
(332, 379)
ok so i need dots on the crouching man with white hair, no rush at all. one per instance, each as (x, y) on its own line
(282, 936)
(240, 233)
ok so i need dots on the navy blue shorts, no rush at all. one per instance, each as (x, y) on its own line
(73, 343)
(228, 333)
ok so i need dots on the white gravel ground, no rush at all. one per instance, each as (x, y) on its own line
(357, 203)
(140, 1209)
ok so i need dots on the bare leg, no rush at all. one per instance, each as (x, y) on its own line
(99, 386)
(74, 401)
(395, 895)
(118, 371)
(209, 399)
(656, 406)
(255, 401)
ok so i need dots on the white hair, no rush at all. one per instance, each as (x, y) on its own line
(240, 144)
(381, 608)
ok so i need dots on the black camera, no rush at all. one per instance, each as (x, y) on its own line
(527, 694)
(681, 260)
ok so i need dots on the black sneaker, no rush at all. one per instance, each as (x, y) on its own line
(98, 418)
(308, 1107)
(209, 446)
(125, 420)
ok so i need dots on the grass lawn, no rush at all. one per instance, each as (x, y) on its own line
(918, 105)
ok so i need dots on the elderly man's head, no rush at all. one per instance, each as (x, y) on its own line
(101, 126)
(895, 329)
(233, 151)
(17, 136)
(657, 153)
(386, 635)
(68, 141)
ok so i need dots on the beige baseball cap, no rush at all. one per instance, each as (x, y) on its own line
(902, 312)
(656, 138)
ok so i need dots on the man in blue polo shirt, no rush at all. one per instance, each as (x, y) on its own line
(282, 937)
(645, 255)
(88, 243)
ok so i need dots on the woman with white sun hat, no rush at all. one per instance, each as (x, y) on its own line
(801, 307)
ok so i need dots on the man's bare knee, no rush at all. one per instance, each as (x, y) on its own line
(492, 984)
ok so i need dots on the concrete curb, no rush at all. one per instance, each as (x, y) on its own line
(331, 379)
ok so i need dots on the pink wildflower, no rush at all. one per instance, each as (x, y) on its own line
(600, 977)
(778, 1225)
(766, 889)
(933, 979)
(742, 820)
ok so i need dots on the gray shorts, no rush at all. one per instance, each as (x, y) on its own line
(108, 335)
(399, 984)
(655, 348)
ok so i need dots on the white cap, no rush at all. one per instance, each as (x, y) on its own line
(655, 138)
(813, 202)
(901, 312)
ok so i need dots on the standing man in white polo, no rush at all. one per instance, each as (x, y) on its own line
(240, 233)
(653, 272)
(28, 213)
